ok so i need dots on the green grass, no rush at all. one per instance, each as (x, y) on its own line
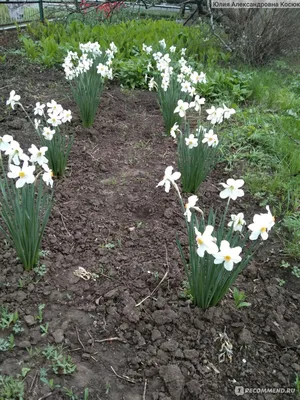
(265, 138)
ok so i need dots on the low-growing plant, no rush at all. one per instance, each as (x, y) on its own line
(87, 75)
(214, 261)
(12, 388)
(239, 298)
(60, 363)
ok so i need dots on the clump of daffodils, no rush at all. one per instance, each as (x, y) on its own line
(87, 71)
(218, 252)
(75, 64)
(48, 121)
(198, 150)
(26, 200)
(174, 79)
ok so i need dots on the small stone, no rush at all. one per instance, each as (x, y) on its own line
(29, 319)
(24, 344)
(245, 337)
(112, 294)
(162, 317)
(58, 336)
(191, 354)
(169, 345)
(30, 287)
(168, 213)
(173, 379)
(85, 356)
(20, 296)
(155, 335)
(16, 123)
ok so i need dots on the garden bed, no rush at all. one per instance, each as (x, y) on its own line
(110, 218)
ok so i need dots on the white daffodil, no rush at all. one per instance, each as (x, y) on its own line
(15, 152)
(169, 179)
(39, 109)
(186, 86)
(227, 255)
(206, 242)
(24, 174)
(38, 155)
(162, 43)
(181, 108)
(191, 204)
(152, 84)
(66, 116)
(191, 141)
(47, 175)
(102, 69)
(37, 123)
(54, 119)
(54, 108)
(237, 222)
(215, 115)
(174, 129)
(232, 189)
(197, 103)
(147, 49)
(182, 51)
(13, 99)
(5, 141)
(48, 133)
(262, 224)
(210, 138)
(198, 78)
(227, 112)
(172, 49)
(113, 47)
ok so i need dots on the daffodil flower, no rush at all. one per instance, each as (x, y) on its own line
(210, 138)
(232, 189)
(5, 141)
(162, 43)
(13, 99)
(262, 224)
(237, 222)
(172, 49)
(215, 115)
(174, 129)
(14, 152)
(48, 133)
(39, 109)
(191, 204)
(38, 155)
(47, 175)
(191, 141)
(24, 174)
(227, 255)
(181, 108)
(205, 241)
(169, 179)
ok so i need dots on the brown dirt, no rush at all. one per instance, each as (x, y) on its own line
(110, 219)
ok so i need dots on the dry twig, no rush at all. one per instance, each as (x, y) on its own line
(125, 378)
(161, 281)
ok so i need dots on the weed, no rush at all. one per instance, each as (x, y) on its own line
(239, 298)
(11, 388)
(44, 329)
(60, 363)
(39, 317)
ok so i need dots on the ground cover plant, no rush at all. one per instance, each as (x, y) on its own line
(107, 312)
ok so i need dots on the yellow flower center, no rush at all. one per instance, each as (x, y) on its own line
(39, 154)
(227, 258)
(22, 174)
(199, 241)
(263, 229)
(186, 205)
